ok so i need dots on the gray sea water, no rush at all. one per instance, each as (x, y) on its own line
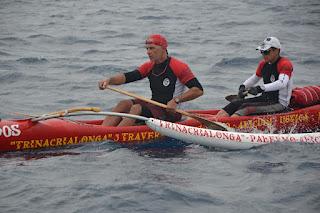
(53, 53)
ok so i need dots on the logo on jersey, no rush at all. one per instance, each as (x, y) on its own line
(272, 78)
(166, 82)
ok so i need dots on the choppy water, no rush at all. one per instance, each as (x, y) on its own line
(53, 53)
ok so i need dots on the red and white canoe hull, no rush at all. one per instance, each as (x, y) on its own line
(16, 135)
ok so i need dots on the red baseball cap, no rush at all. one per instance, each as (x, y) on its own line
(158, 40)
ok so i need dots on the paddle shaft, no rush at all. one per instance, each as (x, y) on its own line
(76, 109)
(196, 117)
(61, 112)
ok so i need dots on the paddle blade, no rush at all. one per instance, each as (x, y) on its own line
(210, 124)
(232, 98)
(216, 126)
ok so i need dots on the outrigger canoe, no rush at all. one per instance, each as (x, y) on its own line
(59, 130)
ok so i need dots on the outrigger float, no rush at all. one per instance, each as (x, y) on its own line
(57, 129)
(227, 140)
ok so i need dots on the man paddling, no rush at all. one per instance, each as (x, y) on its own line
(171, 82)
(276, 72)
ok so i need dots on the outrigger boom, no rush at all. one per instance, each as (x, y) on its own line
(49, 116)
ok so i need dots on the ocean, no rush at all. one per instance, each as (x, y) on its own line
(52, 55)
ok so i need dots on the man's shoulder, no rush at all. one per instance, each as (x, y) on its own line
(147, 65)
(145, 68)
(285, 66)
(285, 60)
(177, 63)
(261, 63)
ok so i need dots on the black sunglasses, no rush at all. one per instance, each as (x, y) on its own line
(266, 52)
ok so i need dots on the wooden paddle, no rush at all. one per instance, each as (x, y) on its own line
(62, 112)
(76, 109)
(209, 124)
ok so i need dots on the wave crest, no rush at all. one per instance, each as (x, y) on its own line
(32, 60)
(237, 61)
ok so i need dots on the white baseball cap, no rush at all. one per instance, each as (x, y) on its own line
(268, 43)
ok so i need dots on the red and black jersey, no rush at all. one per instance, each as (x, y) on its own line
(270, 73)
(167, 80)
